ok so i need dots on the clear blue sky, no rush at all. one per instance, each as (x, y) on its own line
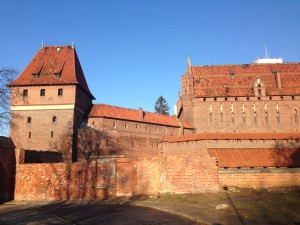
(133, 51)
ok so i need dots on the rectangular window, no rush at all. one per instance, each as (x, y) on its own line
(29, 135)
(25, 93)
(60, 92)
(43, 92)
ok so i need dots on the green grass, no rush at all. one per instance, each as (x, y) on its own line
(281, 205)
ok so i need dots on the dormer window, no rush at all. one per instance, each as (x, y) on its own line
(232, 74)
(35, 75)
(57, 75)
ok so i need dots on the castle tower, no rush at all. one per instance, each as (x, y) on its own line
(185, 101)
(49, 101)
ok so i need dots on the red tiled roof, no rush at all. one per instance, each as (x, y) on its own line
(53, 60)
(261, 157)
(214, 81)
(231, 136)
(109, 111)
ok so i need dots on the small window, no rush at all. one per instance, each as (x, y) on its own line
(210, 118)
(244, 118)
(255, 118)
(259, 92)
(147, 128)
(52, 134)
(126, 125)
(166, 130)
(42, 92)
(29, 135)
(296, 119)
(232, 118)
(266, 118)
(232, 74)
(156, 128)
(54, 119)
(136, 127)
(278, 117)
(60, 92)
(25, 93)
(57, 75)
(28, 119)
(114, 124)
(35, 76)
(221, 118)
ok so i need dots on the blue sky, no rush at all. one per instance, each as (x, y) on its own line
(133, 51)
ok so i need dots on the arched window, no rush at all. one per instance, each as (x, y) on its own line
(255, 118)
(221, 118)
(210, 118)
(54, 119)
(232, 118)
(266, 118)
(244, 118)
(278, 117)
(296, 119)
(126, 125)
(28, 119)
(114, 124)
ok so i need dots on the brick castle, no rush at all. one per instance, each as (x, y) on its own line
(235, 125)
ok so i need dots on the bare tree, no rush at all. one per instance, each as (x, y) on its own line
(7, 75)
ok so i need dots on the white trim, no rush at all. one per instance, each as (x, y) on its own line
(45, 107)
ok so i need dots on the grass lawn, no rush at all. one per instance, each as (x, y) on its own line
(281, 205)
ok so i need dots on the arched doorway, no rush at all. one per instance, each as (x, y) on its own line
(3, 184)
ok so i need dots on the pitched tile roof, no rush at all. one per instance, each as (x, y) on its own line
(51, 60)
(231, 136)
(261, 157)
(115, 112)
(238, 80)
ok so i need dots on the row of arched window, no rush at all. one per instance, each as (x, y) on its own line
(266, 117)
(54, 119)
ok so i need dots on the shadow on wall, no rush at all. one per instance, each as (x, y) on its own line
(287, 153)
(7, 173)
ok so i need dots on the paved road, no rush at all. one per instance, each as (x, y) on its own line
(85, 212)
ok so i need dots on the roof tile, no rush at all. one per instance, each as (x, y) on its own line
(109, 111)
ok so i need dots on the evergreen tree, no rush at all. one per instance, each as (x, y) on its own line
(161, 106)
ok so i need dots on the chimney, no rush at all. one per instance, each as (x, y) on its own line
(141, 113)
(278, 80)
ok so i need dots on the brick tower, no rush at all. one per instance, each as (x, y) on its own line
(49, 101)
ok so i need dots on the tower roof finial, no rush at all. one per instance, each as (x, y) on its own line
(189, 61)
(43, 45)
(73, 46)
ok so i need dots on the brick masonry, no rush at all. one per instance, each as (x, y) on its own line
(260, 178)
(7, 169)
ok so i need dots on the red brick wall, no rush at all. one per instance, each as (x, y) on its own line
(55, 181)
(286, 107)
(189, 173)
(260, 178)
(7, 173)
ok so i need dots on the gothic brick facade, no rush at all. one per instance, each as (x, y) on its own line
(231, 121)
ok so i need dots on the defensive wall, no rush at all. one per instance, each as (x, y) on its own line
(7, 169)
(112, 176)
